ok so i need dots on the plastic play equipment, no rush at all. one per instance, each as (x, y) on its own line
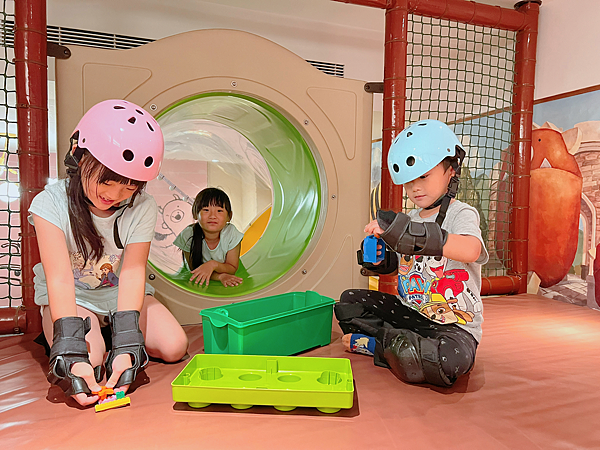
(289, 144)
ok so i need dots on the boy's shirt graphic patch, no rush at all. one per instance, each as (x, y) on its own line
(440, 295)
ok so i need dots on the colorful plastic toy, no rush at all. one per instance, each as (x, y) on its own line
(109, 399)
(284, 382)
(370, 254)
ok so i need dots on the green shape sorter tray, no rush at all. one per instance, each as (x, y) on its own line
(280, 325)
(285, 382)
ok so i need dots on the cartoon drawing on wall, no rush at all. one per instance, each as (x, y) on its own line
(564, 197)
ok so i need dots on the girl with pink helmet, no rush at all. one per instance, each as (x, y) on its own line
(102, 214)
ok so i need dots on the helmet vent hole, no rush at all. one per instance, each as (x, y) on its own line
(131, 120)
(422, 124)
(83, 141)
(148, 161)
(396, 168)
(139, 112)
(410, 161)
(409, 134)
(150, 126)
(128, 155)
(118, 107)
(449, 150)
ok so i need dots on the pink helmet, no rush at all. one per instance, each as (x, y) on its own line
(124, 138)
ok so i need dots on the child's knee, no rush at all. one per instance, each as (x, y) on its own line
(172, 349)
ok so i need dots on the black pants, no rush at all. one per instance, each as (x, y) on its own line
(365, 311)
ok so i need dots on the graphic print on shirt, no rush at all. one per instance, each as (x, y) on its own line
(92, 275)
(441, 295)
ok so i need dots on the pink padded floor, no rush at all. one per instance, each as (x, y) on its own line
(535, 385)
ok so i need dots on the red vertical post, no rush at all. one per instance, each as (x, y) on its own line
(522, 122)
(31, 70)
(394, 106)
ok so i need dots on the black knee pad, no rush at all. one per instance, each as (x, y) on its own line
(412, 358)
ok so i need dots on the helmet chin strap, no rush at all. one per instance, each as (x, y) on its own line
(445, 199)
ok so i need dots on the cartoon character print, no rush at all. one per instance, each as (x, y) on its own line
(441, 295)
(79, 271)
(452, 285)
(413, 287)
(91, 275)
(440, 310)
(108, 277)
(173, 217)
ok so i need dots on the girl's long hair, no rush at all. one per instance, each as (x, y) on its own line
(206, 197)
(88, 241)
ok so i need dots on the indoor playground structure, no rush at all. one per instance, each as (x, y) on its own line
(291, 146)
(281, 138)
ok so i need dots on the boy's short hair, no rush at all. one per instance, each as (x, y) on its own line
(450, 161)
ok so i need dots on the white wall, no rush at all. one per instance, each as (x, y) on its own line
(568, 43)
(324, 30)
(320, 30)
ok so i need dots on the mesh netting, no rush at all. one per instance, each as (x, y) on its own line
(463, 75)
(10, 245)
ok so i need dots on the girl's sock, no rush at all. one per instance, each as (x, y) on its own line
(360, 343)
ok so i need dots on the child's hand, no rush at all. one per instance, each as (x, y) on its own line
(201, 275)
(119, 365)
(85, 371)
(373, 228)
(230, 280)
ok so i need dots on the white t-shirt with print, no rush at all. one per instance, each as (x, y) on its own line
(443, 290)
(96, 282)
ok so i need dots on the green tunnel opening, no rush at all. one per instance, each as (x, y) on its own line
(296, 189)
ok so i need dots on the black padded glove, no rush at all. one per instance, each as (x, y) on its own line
(388, 265)
(68, 348)
(411, 238)
(127, 338)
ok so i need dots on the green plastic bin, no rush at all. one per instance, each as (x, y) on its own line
(280, 381)
(282, 325)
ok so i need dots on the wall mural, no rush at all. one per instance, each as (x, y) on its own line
(564, 198)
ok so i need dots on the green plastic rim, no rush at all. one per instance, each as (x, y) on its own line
(296, 189)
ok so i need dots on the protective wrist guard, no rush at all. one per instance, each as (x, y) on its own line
(68, 348)
(127, 338)
(411, 238)
(388, 265)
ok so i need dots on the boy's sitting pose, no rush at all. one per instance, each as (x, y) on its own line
(430, 331)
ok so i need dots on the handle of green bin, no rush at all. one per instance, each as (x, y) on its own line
(215, 320)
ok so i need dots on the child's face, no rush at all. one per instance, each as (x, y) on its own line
(107, 194)
(213, 218)
(426, 189)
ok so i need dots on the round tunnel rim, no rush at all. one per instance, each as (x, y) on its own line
(317, 215)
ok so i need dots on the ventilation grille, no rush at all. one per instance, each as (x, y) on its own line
(74, 36)
(336, 70)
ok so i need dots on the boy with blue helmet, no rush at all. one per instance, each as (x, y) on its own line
(429, 332)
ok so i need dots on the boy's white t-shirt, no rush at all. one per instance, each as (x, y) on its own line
(229, 238)
(96, 282)
(443, 290)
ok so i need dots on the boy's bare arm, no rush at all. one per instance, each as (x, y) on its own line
(462, 248)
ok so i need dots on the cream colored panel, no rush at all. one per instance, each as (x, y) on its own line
(333, 115)
(340, 108)
(99, 79)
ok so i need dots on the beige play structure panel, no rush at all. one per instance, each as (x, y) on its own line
(289, 144)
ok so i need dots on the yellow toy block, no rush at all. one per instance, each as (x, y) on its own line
(112, 404)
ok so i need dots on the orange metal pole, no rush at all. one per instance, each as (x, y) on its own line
(31, 72)
(394, 106)
(523, 20)
(522, 122)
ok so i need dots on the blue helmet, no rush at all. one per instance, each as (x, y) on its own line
(419, 148)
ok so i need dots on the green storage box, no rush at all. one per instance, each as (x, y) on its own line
(284, 382)
(279, 325)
